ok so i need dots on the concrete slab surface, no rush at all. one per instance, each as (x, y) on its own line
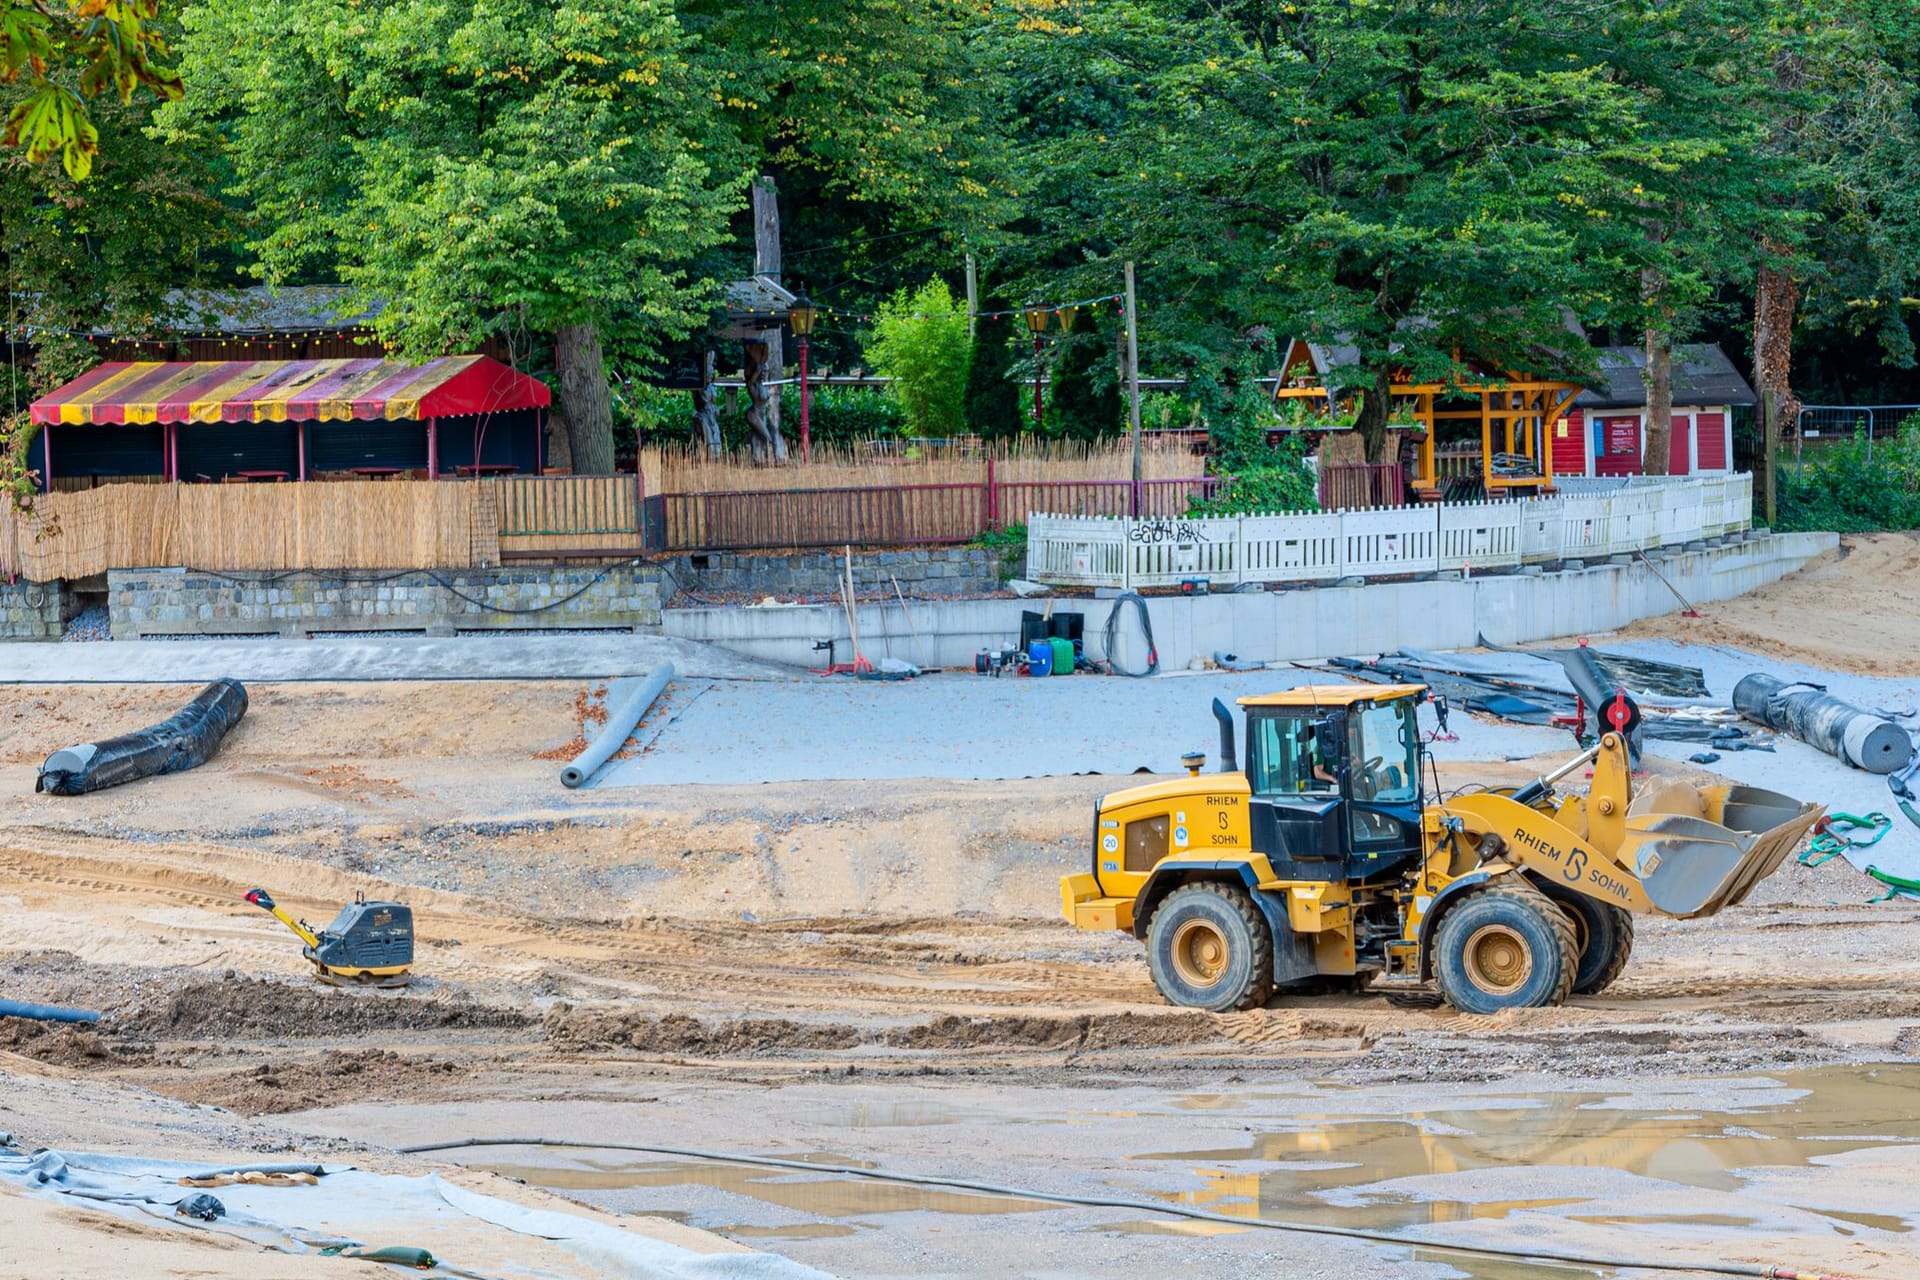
(968, 726)
(269, 661)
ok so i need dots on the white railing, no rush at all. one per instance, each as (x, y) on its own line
(1588, 521)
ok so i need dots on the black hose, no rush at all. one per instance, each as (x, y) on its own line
(1760, 1269)
(1111, 635)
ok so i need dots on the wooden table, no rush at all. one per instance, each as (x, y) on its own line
(378, 473)
(488, 469)
(262, 477)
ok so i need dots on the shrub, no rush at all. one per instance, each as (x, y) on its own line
(993, 397)
(1844, 488)
(920, 341)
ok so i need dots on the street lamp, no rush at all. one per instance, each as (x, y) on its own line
(800, 316)
(1036, 318)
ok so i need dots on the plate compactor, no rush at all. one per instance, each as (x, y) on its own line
(1327, 863)
(368, 943)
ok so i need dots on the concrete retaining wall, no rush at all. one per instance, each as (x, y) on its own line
(34, 610)
(158, 602)
(937, 571)
(1301, 623)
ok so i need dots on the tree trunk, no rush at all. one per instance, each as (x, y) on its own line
(765, 444)
(706, 408)
(1776, 294)
(581, 370)
(1376, 405)
(1657, 441)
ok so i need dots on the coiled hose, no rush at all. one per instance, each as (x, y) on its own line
(1110, 636)
(1760, 1269)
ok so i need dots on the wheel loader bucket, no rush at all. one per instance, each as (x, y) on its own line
(1699, 851)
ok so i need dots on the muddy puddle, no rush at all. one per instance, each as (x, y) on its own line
(1393, 1172)
(1825, 1157)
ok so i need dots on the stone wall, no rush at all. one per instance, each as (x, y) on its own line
(149, 602)
(938, 571)
(34, 610)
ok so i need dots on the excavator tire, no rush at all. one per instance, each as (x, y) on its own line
(1605, 936)
(1209, 947)
(1508, 946)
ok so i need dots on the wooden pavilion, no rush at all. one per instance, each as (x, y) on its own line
(1516, 413)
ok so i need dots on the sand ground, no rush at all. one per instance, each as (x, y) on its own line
(878, 938)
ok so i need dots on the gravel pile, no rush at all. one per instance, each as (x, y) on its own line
(91, 623)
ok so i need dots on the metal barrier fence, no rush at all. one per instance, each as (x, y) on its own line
(1621, 518)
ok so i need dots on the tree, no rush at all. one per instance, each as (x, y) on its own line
(1843, 142)
(920, 341)
(65, 52)
(477, 167)
(992, 401)
(1394, 177)
(1684, 194)
(120, 251)
(1085, 400)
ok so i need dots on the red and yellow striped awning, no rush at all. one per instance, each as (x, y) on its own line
(288, 391)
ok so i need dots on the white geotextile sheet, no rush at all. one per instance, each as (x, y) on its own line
(470, 1234)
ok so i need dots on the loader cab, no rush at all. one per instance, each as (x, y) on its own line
(1334, 773)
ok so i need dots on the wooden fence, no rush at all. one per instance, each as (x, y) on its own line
(365, 525)
(1357, 486)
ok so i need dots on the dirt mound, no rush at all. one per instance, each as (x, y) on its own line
(583, 1031)
(578, 1030)
(54, 1042)
(258, 1009)
(274, 1088)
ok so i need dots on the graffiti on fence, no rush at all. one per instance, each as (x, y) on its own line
(1158, 530)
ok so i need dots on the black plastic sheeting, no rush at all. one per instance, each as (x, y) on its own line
(1808, 712)
(184, 740)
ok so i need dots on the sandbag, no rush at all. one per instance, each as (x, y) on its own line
(184, 740)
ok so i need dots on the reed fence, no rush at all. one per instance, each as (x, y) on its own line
(390, 525)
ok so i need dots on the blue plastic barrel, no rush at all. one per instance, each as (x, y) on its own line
(1040, 658)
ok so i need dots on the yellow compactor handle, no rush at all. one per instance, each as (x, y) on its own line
(260, 898)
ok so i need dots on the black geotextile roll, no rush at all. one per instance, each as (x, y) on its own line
(184, 740)
(1860, 738)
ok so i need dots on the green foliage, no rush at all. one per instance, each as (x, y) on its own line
(60, 54)
(1849, 489)
(1009, 545)
(123, 250)
(992, 407)
(1278, 481)
(845, 415)
(478, 167)
(841, 416)
(1084, 396)
(920, 341)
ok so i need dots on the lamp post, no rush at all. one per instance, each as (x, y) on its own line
(1036, 318)
(800, 316)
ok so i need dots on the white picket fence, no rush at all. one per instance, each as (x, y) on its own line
(1589, 520)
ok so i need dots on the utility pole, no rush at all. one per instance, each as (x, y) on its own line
(1133, 382)
(973, 298)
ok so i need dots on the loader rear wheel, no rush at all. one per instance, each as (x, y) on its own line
(1604, 934)
(1506, 947)
(1208, 947)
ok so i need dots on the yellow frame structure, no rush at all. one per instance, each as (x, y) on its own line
(1522, 411)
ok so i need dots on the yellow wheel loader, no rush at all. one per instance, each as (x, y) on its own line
(1326, 863)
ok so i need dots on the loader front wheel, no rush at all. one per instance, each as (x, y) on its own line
(1208, 947)
(1605, 936)
(1506, 947)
